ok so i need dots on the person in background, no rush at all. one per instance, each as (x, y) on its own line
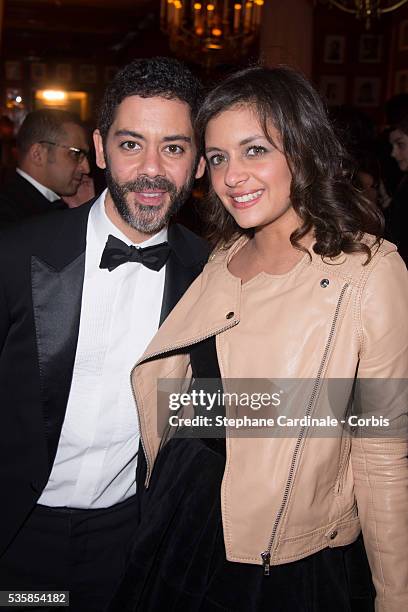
(52, 158)
(301, 291)
(86, 191)
(7, 149)
(357, 132)
(397, 217)
(396, 108)
(82, 292)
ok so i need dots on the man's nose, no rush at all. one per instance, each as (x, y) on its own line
(84, 166)
(151, 163)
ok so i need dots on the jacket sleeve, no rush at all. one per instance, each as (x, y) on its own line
(379, 462)
(4, 316)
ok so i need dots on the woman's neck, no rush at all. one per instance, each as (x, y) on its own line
(268, 251)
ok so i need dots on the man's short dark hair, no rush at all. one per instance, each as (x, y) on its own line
(150, 77)
(43, 124)
(396, 108)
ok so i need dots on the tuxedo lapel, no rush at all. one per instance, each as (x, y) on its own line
(187, 258)
(57, 275)
(57, 306)
(177, 280)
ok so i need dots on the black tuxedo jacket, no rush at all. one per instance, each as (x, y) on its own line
(41, 278)
(19, 199)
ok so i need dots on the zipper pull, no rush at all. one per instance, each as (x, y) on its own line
(266, 559)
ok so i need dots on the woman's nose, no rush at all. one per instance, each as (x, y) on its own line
(235, 174)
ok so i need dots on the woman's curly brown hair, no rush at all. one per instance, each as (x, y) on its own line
(321, 190)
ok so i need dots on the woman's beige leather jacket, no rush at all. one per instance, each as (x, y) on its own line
(286, 498)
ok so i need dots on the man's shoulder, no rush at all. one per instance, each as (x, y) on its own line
(12, 182)
(19, 199)
(189, 247)
(16, 185)
(11, 190)
(57, 229)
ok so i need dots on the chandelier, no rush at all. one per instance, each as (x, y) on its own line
(367, 10)
(211, 32)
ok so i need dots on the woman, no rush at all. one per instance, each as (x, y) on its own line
(301, 287)
(397, 215)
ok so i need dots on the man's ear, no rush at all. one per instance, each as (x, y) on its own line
(200, 168)
(100, 155)
(37, 154)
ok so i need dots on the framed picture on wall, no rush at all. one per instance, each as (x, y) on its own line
(87, 73)
(13, 71)
(332, 89)
(370, 49)
(334, 47)
(367, 91)
(63, 72)
(38, 71)
(401, 82)
(403, 35)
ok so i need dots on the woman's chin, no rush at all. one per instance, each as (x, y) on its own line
(246, 225)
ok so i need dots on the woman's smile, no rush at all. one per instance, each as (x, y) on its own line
(245, 200)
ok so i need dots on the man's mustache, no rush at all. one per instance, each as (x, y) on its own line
(143, 183)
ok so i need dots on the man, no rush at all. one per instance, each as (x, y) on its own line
(397, 213)
(52, 154)
(75, 315)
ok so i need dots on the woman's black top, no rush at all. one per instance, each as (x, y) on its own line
(179, 563)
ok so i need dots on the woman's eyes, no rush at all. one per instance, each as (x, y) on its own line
(252, 151)
(255, 151)
(216, 160)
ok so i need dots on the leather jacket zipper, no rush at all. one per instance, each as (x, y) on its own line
(172, 348)
(266, 554)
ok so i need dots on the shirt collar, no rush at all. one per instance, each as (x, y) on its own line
(47, 193)
(103, 226)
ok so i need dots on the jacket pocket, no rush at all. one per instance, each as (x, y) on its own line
(344, 459)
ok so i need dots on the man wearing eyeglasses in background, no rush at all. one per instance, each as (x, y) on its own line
(52, 160)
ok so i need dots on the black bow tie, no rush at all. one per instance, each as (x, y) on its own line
(117, 252)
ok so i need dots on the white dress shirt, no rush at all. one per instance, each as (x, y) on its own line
(47, 193)
(95, 464)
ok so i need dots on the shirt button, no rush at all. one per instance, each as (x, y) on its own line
(333, 534)
(229, 315)
(324, 283)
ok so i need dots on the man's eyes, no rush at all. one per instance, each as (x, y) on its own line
(76, 155)
(130, 145)
(174, 149)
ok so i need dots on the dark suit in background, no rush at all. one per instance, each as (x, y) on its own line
(19, 200)
(396, 219)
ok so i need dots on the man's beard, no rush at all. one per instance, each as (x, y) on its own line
(145, 218)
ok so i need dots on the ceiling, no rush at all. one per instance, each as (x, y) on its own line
(89, 29)
(128, 4)
(108, 31)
